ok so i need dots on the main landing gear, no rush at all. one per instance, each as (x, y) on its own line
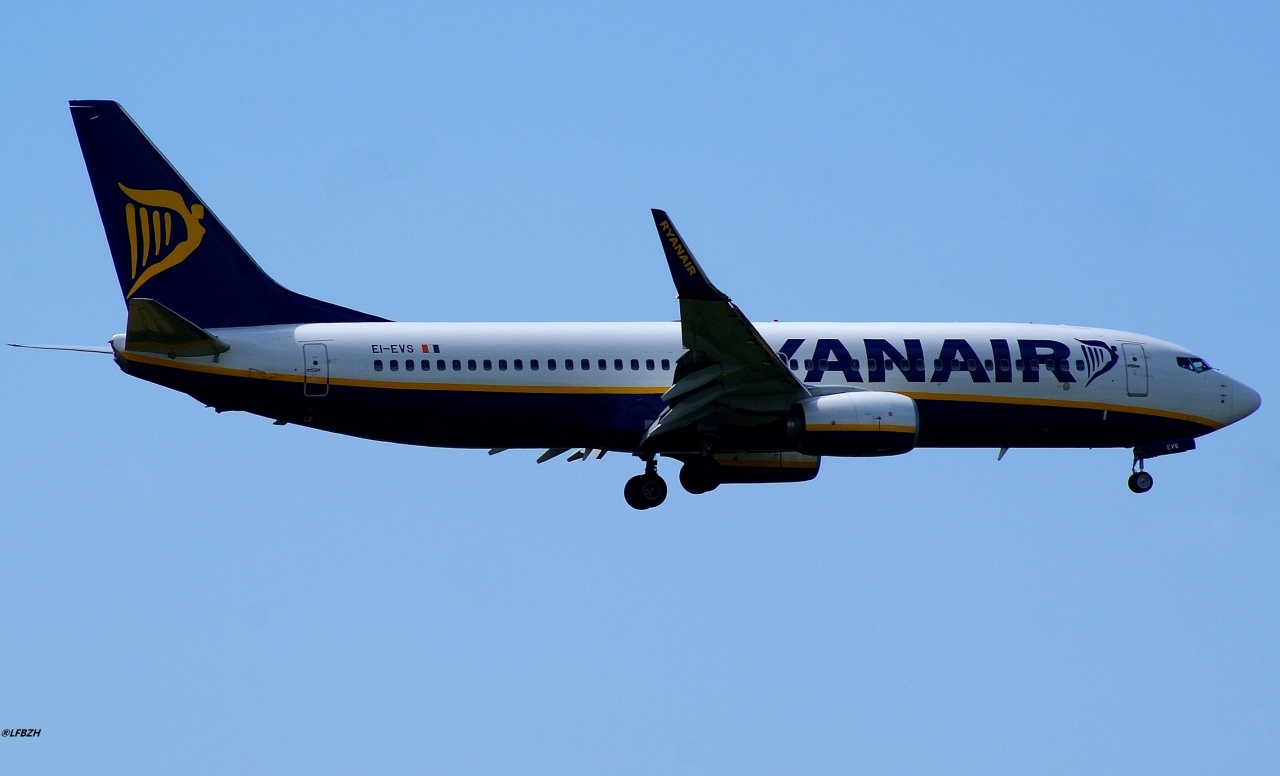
(648, 490)
(700, 475)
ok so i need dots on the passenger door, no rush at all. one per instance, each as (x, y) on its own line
(1135, 368)
(315, 372)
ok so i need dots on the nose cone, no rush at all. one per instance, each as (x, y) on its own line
(1245, 401)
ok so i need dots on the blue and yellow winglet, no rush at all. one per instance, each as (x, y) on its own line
(715, 332)
(691, 282)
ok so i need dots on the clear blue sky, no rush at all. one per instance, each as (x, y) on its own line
(187, 592)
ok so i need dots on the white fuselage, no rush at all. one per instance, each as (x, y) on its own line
(465, 370)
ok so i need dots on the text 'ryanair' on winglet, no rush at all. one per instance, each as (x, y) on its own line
(691, 282)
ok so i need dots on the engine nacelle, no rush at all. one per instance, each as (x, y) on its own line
(857, 423)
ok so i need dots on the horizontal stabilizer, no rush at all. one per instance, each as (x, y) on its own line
(154, 328)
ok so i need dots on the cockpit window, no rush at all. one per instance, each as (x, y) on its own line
(1196, 365)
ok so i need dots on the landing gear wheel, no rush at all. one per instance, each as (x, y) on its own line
(645, 491)
(1140, 482)
(701, 476)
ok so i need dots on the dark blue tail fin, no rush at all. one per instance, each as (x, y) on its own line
(168, 246)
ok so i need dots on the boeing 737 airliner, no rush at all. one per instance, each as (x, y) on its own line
(731, 400)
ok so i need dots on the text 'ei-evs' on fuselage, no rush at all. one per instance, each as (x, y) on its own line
(731, 400)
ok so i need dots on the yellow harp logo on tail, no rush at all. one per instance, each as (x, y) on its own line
(149, 219)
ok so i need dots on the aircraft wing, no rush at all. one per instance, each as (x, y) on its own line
(730, 375)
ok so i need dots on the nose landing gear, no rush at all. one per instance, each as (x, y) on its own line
(648, 490)
(1140, 482)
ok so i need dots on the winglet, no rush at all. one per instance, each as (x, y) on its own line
(691, 282)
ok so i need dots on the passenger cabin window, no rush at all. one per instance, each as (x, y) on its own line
(648, 364)
(568, 364)
(666, 365)
(1079, 365)
(408, 365)
(635, 364)
(586, 364)
(518, 364)
(395, 365)
(426, 365)
(488, 365)
(1191, 363)
(502, 365)
(794, 365)
(617, 364)
(471, 365)
(377, 365)
(988, 364)
(457, 365)
(601, 365)
(551, 365)
(533, 365)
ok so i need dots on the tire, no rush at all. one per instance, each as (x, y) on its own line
(645, 491)
(699, 477)
(653, 489)
(1140, 482)
(631, 492)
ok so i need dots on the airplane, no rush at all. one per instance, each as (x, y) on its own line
(731, 400)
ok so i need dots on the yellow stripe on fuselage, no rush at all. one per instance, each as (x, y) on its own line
(1064, 403)
(216, 369)
(400, 385)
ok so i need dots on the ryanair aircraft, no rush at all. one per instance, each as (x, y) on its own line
(731, 400)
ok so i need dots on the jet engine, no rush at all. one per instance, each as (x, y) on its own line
(856, 423)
